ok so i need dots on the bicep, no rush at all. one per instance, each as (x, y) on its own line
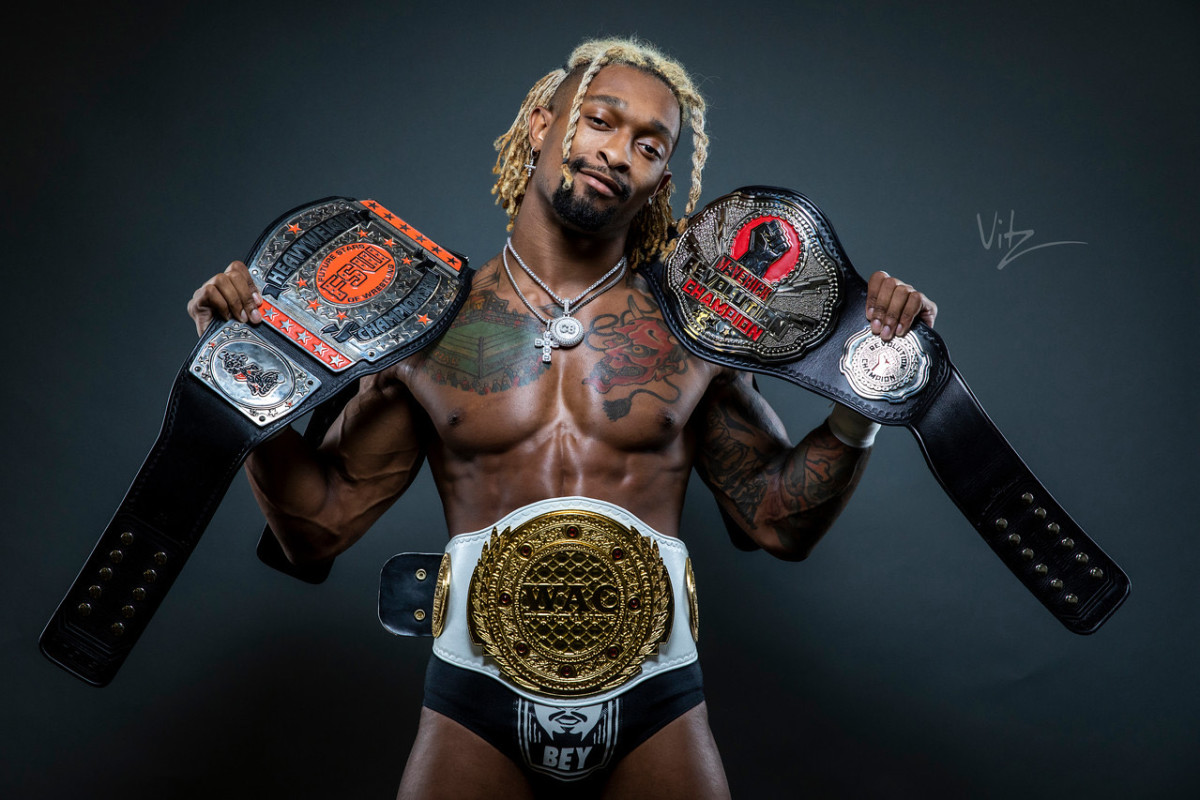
(374, 449)
(785, 498)
(740, 443)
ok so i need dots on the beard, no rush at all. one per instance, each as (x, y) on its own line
(581, 212)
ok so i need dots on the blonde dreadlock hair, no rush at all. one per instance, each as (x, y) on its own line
(650, 228)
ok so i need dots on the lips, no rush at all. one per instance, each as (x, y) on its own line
(603, 183)
(599, 182)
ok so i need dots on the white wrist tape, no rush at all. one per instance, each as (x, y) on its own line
(852, 428)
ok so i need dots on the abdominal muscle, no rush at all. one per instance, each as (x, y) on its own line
(495, 453)
(478, 491)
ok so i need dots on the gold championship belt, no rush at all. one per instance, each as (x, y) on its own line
(570, 603)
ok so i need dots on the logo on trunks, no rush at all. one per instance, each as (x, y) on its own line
(354, 273)
(752, 277)
(567, 743)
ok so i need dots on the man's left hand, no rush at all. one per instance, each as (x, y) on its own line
(892, 305)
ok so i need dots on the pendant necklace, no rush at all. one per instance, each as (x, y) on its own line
(563, 330)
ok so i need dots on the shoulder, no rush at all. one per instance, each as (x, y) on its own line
(647, 301)
(490, 320)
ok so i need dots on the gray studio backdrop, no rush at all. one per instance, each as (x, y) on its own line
(145, 148)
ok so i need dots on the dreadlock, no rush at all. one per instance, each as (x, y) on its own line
(651, 227)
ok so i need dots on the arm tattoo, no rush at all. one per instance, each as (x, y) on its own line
(787, 490)
(731, 463)
(818, 473)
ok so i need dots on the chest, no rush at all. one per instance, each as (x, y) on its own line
(628, 383)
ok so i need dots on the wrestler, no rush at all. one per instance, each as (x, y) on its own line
(621, 417)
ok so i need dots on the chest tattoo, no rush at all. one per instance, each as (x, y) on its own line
(487, 348)
(637, 356)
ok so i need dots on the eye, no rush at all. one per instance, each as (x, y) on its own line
(651, 150)
(598, 122)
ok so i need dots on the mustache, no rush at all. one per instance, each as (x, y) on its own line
(580, 163)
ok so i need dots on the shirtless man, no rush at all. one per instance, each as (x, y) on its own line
(624, 417)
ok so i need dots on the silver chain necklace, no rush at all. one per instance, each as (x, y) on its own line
(563, 330)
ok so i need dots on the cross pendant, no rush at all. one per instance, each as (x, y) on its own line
(546, 342)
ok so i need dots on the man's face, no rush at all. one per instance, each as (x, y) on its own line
(628, 126)
(577, 721)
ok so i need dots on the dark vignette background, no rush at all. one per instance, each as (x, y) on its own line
(147, 146)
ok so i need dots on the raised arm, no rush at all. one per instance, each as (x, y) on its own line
(784, 497)
(321, 500)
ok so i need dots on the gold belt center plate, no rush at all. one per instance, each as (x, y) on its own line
(570, 603)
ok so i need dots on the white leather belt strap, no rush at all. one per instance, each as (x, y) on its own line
(454, 646)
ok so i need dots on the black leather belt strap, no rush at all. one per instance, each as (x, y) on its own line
(759, 281)
(407, 587)
(350, 290)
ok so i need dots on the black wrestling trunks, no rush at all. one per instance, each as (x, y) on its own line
(564, 751)
(565, 635)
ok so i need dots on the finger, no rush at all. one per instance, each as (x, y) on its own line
(207, 302)
(896, 303)
(883, 301)
(912, 307)
(219, 297)
(239, 292)
(199, 311)
(231, 294)
(929, 312)
(873, 285)
(248, 297)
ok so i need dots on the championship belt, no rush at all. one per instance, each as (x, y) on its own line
(759, 282)
(570, 603)
(348, 290)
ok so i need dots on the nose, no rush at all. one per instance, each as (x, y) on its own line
(616, 152)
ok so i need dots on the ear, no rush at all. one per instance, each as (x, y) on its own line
(540, 119)
(664, 181)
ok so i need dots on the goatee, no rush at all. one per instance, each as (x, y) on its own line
(580, 212)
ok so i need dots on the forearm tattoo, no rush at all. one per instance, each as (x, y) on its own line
(745, 457)
(817, 475)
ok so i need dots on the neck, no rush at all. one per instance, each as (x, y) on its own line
(567, 260)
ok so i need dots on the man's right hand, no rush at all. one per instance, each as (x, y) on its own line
(230, 294)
